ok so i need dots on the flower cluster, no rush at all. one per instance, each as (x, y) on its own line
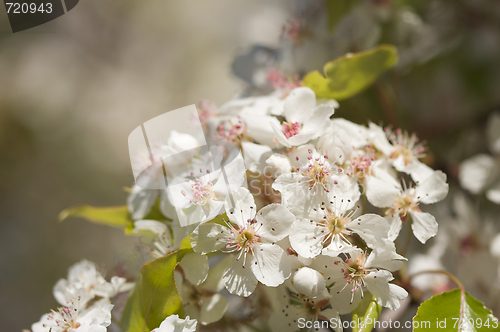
(85, 299)
(295, 189)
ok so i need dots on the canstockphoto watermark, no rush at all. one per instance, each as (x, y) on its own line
(159, 163)
(26, 14)
(444, 323)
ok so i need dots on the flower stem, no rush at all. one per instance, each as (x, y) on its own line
(446, 273)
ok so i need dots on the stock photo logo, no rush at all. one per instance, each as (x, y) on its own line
(159, 150)
(28, 14)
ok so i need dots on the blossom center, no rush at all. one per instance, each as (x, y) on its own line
(402, 206)
(407, 146)
(337, 225)
(246, 237)
(290, 129)
(234, 133)
(202, 192)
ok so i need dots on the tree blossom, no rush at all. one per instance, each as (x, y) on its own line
(201, 197)
(151, 180)
(312, 179)
(295, 307)
(304, 120)
(76, 318)
(175, 324)
(85, 282)
(203, 301)
(330, 226)
(403, 202)
(361, 272)
(251, 236)
(482, 172)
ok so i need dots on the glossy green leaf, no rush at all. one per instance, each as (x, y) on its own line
(116, 216)
(155, 295)
(351, 73)
(454, 311)
(365, 315)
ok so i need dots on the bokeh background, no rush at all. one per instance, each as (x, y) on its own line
(73, 89)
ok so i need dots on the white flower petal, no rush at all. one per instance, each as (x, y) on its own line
(140, 201)
(280, 137)
(378, 137)
(305, 238)
(244, 208)
(433, 189)
(493, 193)
(319, 120)
(478, 172)
(381, 193)
(239, 280)
(424, 225)
(270, 264)
(175, 324)
(309, 282)
(260, 128)
(372, 228)
(299, 104)
(385, 256)
(255, 156)
(301, 138)
(387, 295)
(395, 224)
(275, 221)
(209, 238)
(278, 164)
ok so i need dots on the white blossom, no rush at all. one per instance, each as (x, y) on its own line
(251, 236)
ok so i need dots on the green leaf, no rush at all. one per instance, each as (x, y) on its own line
(116, 216)
(454, 311)
(351, 73)
(366, 313)
(155, 295)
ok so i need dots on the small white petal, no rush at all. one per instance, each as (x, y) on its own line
(493, 193)
(299, 104)
(306, 237)
(387, 295)
(478, 172)
(273, 264)
(395, 224)
(432, 189)
(255, 156)
(372, 228)
(275, 221)
(309, 282)
(244, 207)
(381, 193)
(240, 280)
(424, 225)
(209, 238)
